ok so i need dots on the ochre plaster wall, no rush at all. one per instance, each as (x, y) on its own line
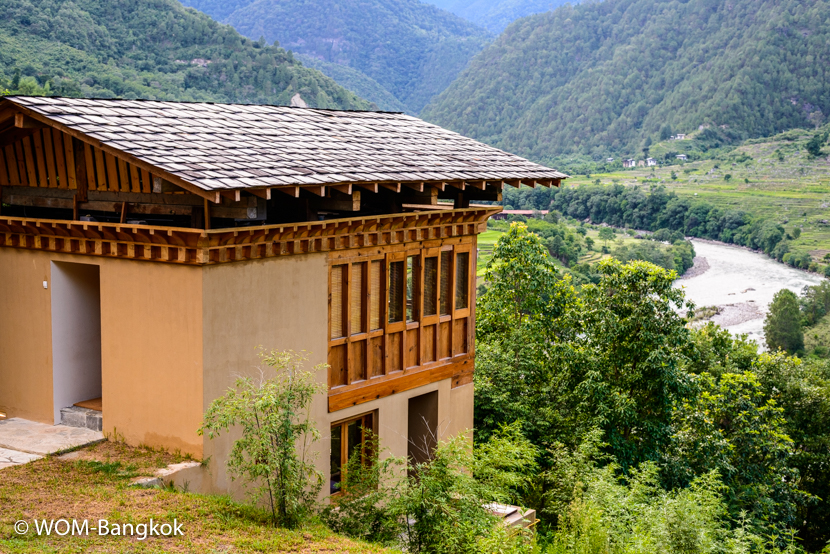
(277, 303)
(461, 411)
(25, 335)
(151, 346)
(151, 334)
(282, 304)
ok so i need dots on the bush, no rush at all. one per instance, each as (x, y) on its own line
(273, 455)
(611, 515)
(363, 508)
(438, 507)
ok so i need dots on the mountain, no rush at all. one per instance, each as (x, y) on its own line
(413, 50)
(496, 15)
(357, 82)
(154, 49)
(603, 78)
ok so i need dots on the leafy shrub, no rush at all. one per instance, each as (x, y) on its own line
(272, 457)
(363, 508)
(440, 506)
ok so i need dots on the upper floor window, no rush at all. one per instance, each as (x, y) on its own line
(397, 310)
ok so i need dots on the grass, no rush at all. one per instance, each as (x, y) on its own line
(817, 335)
(95, 486)
(486, 242)
(794, 192)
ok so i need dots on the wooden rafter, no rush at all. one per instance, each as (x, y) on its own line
(203, 247)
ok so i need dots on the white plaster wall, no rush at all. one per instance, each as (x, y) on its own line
(76, 334)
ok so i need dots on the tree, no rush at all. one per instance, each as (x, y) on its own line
(782, 326)
(272, 457)
(606, 234)
(727, 177)
(525, 310)
(733, 427)
(628, 378)
(814, 144)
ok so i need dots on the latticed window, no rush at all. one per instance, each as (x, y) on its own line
(399, 310)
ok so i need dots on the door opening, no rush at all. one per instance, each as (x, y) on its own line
(76, 336)
(422, 427)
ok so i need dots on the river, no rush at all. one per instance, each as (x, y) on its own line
(741, 283)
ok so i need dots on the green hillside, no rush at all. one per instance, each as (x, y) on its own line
(601, 78)
(154, 49)
(357, 82)
(413, 50)
(496, 15)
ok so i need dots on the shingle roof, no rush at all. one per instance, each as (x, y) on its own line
(222, 146)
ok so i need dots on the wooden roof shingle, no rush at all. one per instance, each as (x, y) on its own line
(222, 146)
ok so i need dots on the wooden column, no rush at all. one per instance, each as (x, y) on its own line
(82, 183)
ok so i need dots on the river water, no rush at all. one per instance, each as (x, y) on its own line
(741, 284)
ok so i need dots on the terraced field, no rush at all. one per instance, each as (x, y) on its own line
(792, 189)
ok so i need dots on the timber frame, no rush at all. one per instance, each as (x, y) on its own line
(204, 247)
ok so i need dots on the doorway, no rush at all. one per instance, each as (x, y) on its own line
(76, 335)
(422, 427)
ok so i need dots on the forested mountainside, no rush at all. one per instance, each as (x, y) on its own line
(496, 15)
(603, 78)
(413, 50)
(357, 82)
(154, 49)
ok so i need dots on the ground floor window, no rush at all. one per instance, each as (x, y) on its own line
(348, 437)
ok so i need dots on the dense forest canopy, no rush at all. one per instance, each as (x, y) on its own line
(603, 78)
(413, 50)
(154, 49)
(495, 15)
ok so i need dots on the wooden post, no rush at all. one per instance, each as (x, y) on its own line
(81, 195)
(207, 215)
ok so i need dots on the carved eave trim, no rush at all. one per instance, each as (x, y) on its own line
(196, 247)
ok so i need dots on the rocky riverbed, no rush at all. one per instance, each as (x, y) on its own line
(740, 284)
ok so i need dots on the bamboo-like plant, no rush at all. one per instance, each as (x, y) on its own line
(273, 455)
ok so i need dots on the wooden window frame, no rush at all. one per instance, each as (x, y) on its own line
(400, 334)
(463, 249)
(343, 425)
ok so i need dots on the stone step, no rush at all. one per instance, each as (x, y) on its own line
(75, 416)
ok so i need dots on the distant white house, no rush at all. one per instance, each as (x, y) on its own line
(682, 157)
(629, 163)
(680, 137)
(609, 160)
(651, 161)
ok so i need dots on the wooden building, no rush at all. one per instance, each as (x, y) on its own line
(147, 248)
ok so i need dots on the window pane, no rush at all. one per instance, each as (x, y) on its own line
(338, 322)
(334, 483)
(430, 286)
(396, 284)
(376, 295)
(354, 437)
(446, 291)
(356, 297)
(412, 278)
(462, 286)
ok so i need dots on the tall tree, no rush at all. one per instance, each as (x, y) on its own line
(782, 326)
